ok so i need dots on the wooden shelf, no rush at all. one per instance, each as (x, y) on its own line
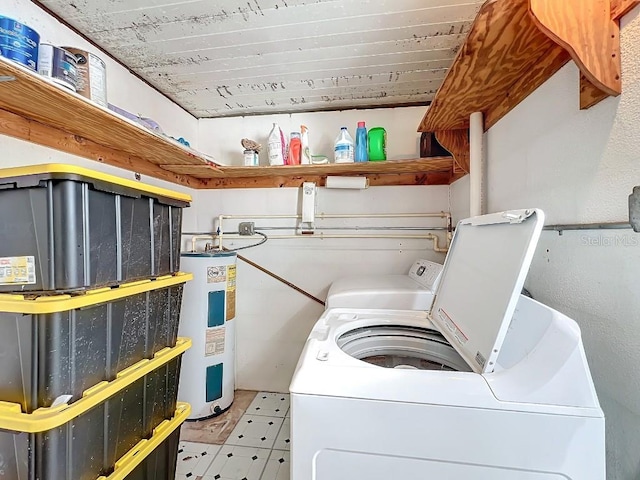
(423, 171)
(513, 47)
(35, 109)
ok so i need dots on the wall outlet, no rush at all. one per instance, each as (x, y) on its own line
(246, 228)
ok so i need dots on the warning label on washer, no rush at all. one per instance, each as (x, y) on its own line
(17, 270)
(452, 327)
(231, 292)
(216, 274)
(214, 341)
(480, 360)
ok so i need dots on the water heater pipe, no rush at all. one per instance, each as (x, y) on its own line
(477, 163)
(219, 236)
(445, 215)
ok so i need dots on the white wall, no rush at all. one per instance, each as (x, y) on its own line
(580, 166)
(221, 137)
(274, 320)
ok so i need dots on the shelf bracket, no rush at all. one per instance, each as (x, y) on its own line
(514, 46)
(619, 8)
(569, 23)
(457, 143)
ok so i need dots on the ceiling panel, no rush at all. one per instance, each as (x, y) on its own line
(230, 58)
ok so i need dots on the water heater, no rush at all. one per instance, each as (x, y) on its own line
(207, 380)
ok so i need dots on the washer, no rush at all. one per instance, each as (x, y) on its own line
(414, 291)
(488, 384)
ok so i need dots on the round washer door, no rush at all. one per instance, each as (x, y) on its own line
(397, 346)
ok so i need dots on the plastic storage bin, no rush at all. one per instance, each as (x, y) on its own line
(83, 441)
(65, 228)
(52, 346)
(156, 458)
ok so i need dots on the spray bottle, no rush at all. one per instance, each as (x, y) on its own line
(306, 152)
(295, 149)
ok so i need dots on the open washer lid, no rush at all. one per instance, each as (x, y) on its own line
(483, 275)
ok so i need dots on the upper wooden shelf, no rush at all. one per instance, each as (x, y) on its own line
(37, 110)
(34, 109)
(516, 45)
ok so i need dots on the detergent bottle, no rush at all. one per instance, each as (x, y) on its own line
(361, 143)
(295, 149)
(377, 144)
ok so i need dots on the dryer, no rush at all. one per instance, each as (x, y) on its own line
(487, 384)
(413, 291)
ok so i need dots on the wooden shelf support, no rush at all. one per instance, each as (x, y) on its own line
(514, 46)
(457, 143)
(586, 30)
(619, 8)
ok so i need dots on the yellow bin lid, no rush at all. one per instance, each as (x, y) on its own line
(30, 176)
(48, 418)
(45, 304)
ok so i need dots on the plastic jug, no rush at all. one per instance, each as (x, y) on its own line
(344, 147)
(377, 144)
(276, 146)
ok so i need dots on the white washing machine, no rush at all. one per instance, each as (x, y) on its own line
(414, 291)
(487, 385)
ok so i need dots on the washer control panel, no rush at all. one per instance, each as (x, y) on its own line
(426, 273)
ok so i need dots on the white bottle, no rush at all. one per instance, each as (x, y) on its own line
(344, 148)
(306, 152)
(275, 147)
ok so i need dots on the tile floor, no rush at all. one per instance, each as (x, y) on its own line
(249, 442)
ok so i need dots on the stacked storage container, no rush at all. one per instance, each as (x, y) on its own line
(90, 297)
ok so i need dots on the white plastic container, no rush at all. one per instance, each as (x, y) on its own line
(344, 147)
(276, 146)
(306, 151)
(207, 380)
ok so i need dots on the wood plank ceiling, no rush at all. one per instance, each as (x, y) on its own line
(228, 58)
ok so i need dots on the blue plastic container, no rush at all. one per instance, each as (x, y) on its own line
(361, 143)
(19, 43)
